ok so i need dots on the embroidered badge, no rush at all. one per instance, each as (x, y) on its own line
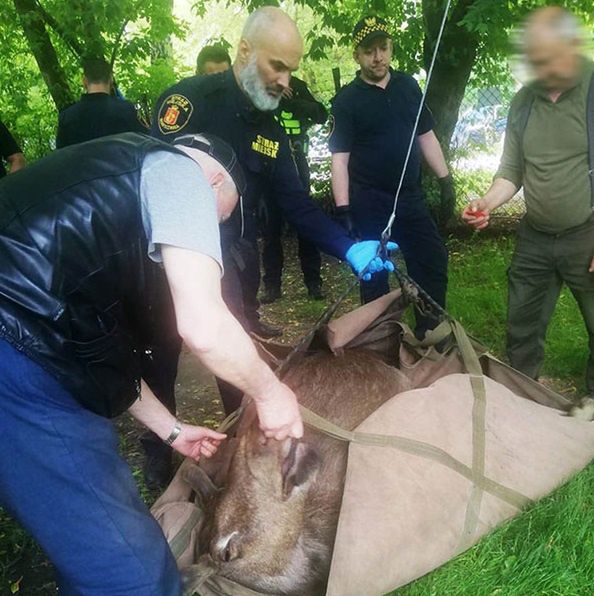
(265, 146)
(174, 114)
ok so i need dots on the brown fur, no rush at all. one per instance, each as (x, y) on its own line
(280, 501)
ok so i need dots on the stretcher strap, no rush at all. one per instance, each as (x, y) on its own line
(479, 408)
(476, 473)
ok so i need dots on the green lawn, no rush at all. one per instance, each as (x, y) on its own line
(548, 550)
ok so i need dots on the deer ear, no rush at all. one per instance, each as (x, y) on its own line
(300, 468)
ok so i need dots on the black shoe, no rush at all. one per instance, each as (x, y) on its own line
(314, 291)
(264, 330)
(157, 467)
(271, 294)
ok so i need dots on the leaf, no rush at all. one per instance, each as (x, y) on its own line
(16, 586)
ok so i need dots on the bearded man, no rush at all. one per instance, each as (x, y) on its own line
(238, 106)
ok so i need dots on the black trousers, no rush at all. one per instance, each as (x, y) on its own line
(417, 235)
(272, 250)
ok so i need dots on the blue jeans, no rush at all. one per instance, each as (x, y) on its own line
(62, 478)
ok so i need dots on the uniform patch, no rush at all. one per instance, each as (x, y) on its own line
(331, 126)
(265, 146)
(174, 114)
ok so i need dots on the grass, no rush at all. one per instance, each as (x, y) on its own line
(547, 550)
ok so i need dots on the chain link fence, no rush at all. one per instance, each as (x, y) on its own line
(476, 148)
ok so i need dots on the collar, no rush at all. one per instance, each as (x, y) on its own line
(243, 105)
(94, 96)
(359, 82)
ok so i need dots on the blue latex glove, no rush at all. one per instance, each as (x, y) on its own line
(365, 254)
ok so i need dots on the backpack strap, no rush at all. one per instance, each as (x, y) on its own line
(590, 128)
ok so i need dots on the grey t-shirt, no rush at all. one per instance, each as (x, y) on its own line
(178, 206)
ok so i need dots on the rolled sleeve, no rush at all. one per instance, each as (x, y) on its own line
(343, 132)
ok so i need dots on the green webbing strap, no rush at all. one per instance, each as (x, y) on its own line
(432, 337)
(479, 407)
(181, 541)
(202, 579)
(413, 447)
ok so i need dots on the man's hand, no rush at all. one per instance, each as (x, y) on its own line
(278, 414)
(364, 256)
(343, 215)
(591, 269)
(287, 93)
(197, 441)
(476, 214)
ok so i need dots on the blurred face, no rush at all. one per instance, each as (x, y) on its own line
(374, 58)
(215, 67)
(553, 61)
(267, 68)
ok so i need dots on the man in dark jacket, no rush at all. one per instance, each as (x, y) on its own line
(81, 234)
(298, 111)
(98, 113)
(238, 105)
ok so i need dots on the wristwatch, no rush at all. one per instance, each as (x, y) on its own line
(174, 433)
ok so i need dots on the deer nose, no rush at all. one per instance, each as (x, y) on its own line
(226, 548)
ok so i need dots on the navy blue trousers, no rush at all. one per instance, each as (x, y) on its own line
(419, 239)
(62, 478)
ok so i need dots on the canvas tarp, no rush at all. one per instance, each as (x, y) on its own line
(434, 468)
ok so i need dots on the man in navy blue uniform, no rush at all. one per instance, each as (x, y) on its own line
(374, 117)
(299, 110)
(238, 106)
(98, 113)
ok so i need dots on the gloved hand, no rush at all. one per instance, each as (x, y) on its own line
(344, 217)
(448, 199)
(365, 254)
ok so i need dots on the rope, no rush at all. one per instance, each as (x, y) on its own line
(388, 229)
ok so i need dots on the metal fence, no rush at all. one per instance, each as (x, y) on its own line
(476, 147)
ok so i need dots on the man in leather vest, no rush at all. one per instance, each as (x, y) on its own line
(82, 235)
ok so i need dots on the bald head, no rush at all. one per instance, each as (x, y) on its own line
(270, 24)
(269, 50)
(552, 44)
(552, 22)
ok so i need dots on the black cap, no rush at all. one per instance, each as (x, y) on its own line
(368, 28)
(219, 150)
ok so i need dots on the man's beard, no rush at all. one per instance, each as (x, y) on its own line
(255, 89)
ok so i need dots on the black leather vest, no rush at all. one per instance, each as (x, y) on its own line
(76, 286)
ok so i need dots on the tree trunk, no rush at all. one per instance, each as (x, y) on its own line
(452, 67)
(44, 52)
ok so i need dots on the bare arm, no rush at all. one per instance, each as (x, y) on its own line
(431, 151)
(477, 212)
(340, 178)
(16, 162)
(192, 441)
(218, 340)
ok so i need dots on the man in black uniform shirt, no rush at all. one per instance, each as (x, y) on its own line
(298, 111)
(238, 106)
(212, 59)
(10, 152)
(373, 123)
(98, 113)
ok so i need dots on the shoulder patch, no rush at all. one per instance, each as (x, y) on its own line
(174, 113)
(331, 125)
